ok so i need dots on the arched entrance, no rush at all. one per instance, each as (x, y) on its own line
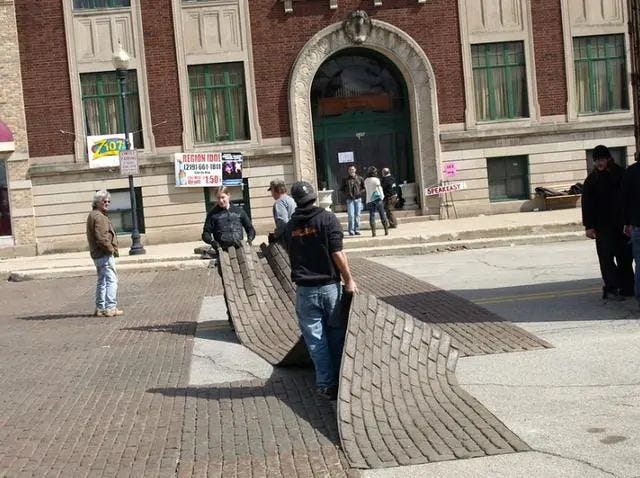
(361, 117)
(403, 53)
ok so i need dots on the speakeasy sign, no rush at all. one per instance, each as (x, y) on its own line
(444, 188)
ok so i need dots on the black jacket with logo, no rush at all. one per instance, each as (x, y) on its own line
(388, 186)
(223, 227)
(602, 204)
(310, 237)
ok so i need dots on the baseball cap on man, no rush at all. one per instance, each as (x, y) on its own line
(303, 193)
(276, 184)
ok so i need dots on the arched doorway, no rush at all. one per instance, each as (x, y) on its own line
(361, 116)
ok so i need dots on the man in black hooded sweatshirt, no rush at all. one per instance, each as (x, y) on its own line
(313, 238)
(603, 219)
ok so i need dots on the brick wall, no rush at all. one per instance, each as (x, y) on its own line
(278, 38)
(162, 71)
(549, 53)
(45, 76)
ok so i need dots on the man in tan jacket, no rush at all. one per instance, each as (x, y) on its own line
(103, 246)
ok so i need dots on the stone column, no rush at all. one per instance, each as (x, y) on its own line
(17, 162)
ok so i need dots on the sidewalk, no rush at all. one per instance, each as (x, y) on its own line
(410, 238)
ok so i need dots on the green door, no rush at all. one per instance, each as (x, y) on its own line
(361, 118)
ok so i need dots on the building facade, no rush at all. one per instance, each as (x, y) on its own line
(504, 96)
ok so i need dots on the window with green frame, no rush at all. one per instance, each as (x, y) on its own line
(120, 210)
(500, 81)
(102, 105)
(91, 4)
(218, 102)
(508, 178)
(601, 73)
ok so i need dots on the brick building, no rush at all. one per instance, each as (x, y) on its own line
(509, 95)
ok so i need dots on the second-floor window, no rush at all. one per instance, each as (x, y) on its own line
(102, 105)
(218, 102)
(499, 81)
(601, 74)
(92, 4)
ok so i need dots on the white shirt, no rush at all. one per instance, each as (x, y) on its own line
(373, 189)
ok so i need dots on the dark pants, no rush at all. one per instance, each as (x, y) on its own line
(615, 257)
(389, 203)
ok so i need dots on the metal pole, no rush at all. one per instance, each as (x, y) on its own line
(634, 25)
(136, 246)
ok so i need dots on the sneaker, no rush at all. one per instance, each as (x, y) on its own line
(113, 312)
(611, 295)
(350, 233)
(357, 233)
(330, 392)
(99, 312)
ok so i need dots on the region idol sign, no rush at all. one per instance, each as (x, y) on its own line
(208, 169)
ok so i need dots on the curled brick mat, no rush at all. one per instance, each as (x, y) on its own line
(262, 310)
(474, 330)
(399, 400)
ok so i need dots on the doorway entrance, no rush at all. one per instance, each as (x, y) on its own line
(360, 110)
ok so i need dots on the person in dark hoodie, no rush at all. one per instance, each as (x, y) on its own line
(631, 188)
(313, 238)
(603, 219)
(225, 222)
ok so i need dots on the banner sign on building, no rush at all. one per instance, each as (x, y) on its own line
(104, 150)
(445, 188)
(198, 169)
(231, 169)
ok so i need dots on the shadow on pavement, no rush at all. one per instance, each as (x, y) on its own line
(179, 328)
(58, 317)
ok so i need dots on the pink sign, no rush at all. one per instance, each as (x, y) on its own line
(450, 169)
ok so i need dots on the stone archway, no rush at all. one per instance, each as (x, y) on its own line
(410, 59)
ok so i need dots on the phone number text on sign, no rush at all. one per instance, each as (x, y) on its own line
(198, 169)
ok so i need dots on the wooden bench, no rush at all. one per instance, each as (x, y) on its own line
(564, 201)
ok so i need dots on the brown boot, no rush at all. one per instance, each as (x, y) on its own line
(373, 230)
(386, 228)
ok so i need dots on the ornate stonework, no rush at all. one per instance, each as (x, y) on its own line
(412, 62)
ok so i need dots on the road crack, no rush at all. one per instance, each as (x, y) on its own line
(577, 460)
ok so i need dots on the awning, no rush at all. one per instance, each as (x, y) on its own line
(6, 138)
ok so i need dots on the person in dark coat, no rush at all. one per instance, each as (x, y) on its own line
(631, 188)
(603, 219)
(225, 222)
(390, 191)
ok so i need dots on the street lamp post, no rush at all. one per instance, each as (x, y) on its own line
(121, 62)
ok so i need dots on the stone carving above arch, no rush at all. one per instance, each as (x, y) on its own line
(418, 74)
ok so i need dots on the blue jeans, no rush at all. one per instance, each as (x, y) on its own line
(354, 208)
(315, 306)
(107, 285)
(374, 206)
(635, 245)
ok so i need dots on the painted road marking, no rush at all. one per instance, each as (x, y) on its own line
(538, 296)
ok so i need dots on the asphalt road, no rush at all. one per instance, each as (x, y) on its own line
(576, 405)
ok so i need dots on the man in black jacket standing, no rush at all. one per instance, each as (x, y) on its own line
(313, 239)
(389, 189)
(603, 219)
(631, 188)
(225, 222)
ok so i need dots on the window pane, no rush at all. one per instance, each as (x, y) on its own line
(508, 178)
(89, 4)
(600, 71)
(120, 210)
(102, 104)
(500, 81)
(218, 102)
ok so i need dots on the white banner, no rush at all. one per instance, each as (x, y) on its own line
(104, 150)
(445, 188)
(198, 169)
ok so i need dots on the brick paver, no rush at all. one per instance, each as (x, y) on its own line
(261, 305)
(474, 330)
(75, 398)
(400, 402)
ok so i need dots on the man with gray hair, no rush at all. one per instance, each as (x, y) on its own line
(283, 208)
(103, 246)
